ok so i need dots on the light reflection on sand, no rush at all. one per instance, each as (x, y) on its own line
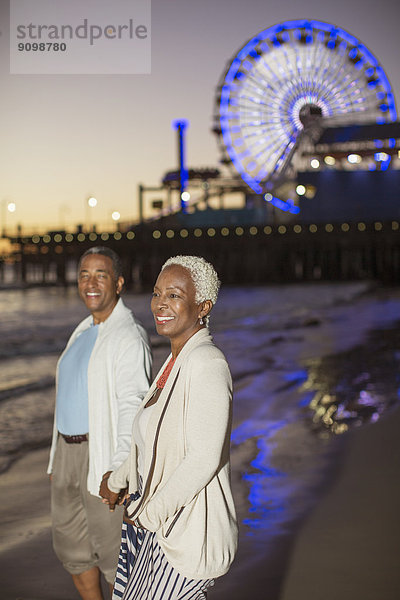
(355, 387)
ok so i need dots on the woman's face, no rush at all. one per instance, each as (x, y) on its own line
(176, 313)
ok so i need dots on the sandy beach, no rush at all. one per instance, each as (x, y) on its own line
(318, 513)
(346, 547)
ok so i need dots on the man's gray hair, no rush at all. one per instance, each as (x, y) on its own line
(116, 261)
(203, 274)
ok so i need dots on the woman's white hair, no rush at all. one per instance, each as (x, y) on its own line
(204, 276)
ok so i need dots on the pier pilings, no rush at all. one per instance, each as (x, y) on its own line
(242, 255)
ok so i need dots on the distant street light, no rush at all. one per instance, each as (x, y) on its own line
(116, 215)
(300, 190)
(91, 202)
(354, 159)
(381, 156)
(6, 207)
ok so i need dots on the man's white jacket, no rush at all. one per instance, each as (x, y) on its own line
(119, 374)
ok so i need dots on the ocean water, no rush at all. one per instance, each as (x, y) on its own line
(308, 361)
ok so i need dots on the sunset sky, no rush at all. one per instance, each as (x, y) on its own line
(66, 137)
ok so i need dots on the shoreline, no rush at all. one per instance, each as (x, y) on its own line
(292, 488)
(345, 545)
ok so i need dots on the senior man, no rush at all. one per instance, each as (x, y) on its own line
(102, 376)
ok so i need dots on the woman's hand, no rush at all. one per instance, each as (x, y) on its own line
(123, 495)
(109, 497)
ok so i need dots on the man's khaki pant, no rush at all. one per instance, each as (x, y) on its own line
(85, 533)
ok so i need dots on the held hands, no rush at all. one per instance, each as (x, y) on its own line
(109, 497)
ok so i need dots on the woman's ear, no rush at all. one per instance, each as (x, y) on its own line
(205, 308)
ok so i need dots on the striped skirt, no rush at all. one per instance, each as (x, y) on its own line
(143, 572)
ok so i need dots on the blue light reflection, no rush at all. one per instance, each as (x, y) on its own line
(266, 508)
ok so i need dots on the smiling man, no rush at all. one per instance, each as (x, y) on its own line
(102, 377)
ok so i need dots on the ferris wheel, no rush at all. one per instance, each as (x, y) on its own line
(284, 73)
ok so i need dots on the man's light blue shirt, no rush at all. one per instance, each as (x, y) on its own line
(72, 390)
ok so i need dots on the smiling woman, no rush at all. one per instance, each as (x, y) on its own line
(176, 313)
(179, 513)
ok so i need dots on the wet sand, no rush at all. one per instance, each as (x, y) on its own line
(318, 513)
(349, 545)
(346, 547)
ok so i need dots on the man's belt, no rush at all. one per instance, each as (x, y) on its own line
(75, 439)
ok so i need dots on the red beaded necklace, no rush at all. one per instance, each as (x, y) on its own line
(162, 380)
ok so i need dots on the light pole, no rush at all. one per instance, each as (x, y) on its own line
(116, 215)
(180, 126)
(6, 207)
(91, 202)
(63, 210)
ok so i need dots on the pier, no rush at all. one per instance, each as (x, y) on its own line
(242, 254)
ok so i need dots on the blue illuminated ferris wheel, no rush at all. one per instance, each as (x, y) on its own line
(282, 76)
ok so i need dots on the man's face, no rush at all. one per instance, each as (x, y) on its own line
(97, 285)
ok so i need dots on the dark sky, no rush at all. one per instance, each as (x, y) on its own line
(69, 136)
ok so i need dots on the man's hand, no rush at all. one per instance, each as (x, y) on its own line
(109, 497)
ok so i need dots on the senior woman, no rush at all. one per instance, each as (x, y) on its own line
(179, 531)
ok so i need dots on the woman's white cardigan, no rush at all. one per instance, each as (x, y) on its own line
(187, 497)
